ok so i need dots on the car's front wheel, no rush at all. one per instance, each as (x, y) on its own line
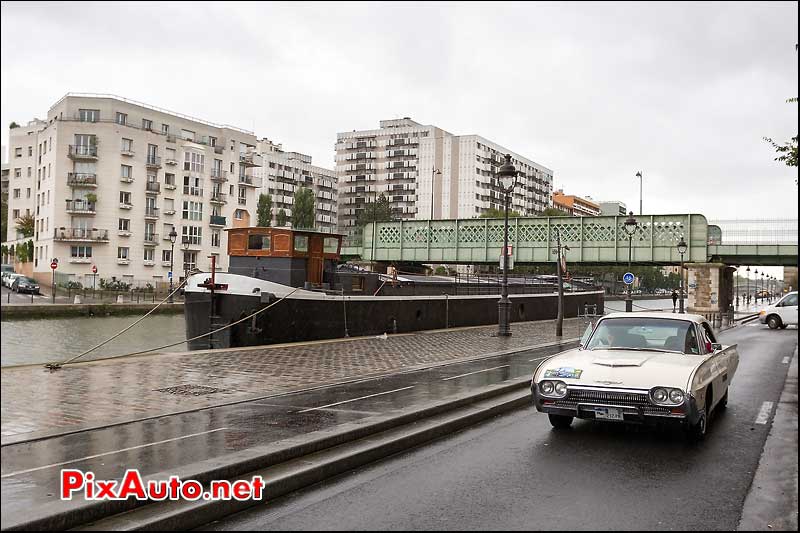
(697, 431)
(560, 421)
(774, 322)
(783, 326)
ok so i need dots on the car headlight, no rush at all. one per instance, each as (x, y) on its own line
(676, 396)
(561, 388)
(546, 387)
(553, 389)
(667, 396)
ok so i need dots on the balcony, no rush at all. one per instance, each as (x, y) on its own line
(151, 212)
(127, 152)
(169, 186)
(218, 198)
(80, 235)
(169, 211)
(81, 151)
(153, 161)
(79, 179)
(126, 179)
(153, 187)
(192, 191)
(217, 220)
(250, 159)
(219, 175)
(171, 161)
(81, 207)
(151, 239)
(122, 261)
(249, 181)
(219, 149)
(126, 205)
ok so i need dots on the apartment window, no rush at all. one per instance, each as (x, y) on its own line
(29, 194)
(124, 198)
(30, 172)
(242, 194)
(212, 141)
(149, 254)
(122, 252)
(187, 135)
(122, 118)
(17, 172)
(152, 154)
(230, 190)
(18, 152)
(124, 224)
(30, 151)
(16, 193)
(165, 129)
(192, 210)
(215, 238)
(193, 234)
(127, 172)
(194, 162)
(127, 145)
(147, 125)
(216, 170)
(171, 153)
(166, 256)
(169, 179)
(88, 115)
(16, 214)
(189, 261)
(80, 252)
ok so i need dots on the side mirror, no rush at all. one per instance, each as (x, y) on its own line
(716, 346)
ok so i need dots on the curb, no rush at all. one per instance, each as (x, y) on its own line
(273, 455)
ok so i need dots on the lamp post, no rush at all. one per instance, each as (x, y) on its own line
(762, 285)
(559, 250)
(639, 175)
(435, 172)
(756, 283)
(682, 247)
(747, 286)
(185, 244)
(173, 236)
(630, 228)
(504, 173)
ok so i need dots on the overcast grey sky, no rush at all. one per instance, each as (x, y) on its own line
(683, 92)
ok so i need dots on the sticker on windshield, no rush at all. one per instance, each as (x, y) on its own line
(564, 372)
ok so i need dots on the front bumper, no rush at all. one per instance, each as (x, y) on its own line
(762, 318)
(633, 412)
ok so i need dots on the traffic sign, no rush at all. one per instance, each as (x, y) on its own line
(169, 275)
(628, 278)
(54, 265)
(94, 269)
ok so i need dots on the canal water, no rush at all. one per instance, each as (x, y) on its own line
(40, 341)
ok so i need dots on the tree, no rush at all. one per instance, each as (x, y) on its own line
(377, 211)
(264, 210)
(788, 150)
(13, 125)
(499, 213)
(554, 212)
(303, 209)
(26, 224)
(281, 218)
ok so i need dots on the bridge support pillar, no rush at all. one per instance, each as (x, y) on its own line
(710, 289)
(790, 278)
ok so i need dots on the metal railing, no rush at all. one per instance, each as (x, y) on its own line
(82, 150)
(80, 206)
(151, 212)
(218, 197)
(153, 161)
(151, 238)
(80, 234)
(193, 191)
(216, 220)
(153, 186)
(78, 179)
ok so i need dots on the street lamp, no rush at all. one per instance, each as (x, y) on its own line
(747, 286)
(639, 175)
(173, 236)
(433, 176)
(507, 172)
(756, 276)
(185, 244)
(682, 247)
(630, 228)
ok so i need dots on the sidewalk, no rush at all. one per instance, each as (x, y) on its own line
(36, 402)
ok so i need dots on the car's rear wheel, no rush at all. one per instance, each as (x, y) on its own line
(560, 421)
(774, 322)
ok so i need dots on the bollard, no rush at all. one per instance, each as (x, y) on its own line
(77, 299)
(120, 299)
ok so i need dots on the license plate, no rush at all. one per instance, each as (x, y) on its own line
(608, 413)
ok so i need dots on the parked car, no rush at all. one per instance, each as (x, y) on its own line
(8, 278)
(780, 314)
(6, 268)
(25, 284)
(643, 368)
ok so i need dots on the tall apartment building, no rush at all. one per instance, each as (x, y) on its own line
(429, 173)
(611, 207)
(108, 179)
(284, 173)
(575, 205)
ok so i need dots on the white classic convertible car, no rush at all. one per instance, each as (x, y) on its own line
(639, 368)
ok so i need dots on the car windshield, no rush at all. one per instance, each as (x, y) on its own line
(27, 280)
(656, 334)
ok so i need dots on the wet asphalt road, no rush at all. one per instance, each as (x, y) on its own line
(515, 472)
(30, 469)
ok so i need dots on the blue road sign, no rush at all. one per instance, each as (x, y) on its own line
(628, 278)
(169, 275)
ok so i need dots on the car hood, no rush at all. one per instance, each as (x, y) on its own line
(621, 368)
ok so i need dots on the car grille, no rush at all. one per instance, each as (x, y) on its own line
(636, 401)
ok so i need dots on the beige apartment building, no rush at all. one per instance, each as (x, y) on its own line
(284, 173)
(429, 173)
(108, 179)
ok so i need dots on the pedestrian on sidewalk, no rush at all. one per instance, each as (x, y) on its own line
(674, 300)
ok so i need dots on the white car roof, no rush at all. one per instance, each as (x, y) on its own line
(654, 314)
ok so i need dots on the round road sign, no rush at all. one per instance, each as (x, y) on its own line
(94, 269)
(628, 278)
(54, 265)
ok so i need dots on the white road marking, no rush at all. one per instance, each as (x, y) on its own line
(476, 372)
(109, 453)
(763, 414)
(354, 399)
(785, 360)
